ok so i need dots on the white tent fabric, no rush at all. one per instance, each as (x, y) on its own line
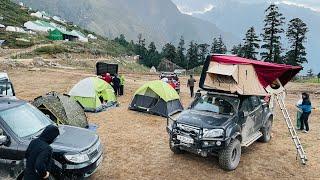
(84, 88)
(225, 69)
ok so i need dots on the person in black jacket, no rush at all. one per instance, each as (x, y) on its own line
(39, 153)
(116, 85)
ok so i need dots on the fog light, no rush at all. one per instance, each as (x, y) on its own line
(218, 143)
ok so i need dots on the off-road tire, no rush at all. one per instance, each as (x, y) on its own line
(266, 132)
(174, 149)
(229, 157)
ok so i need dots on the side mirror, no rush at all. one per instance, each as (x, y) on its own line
(3, 140)
(241, 115)
(198, 94)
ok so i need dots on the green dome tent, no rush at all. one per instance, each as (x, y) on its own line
(156, 97)
(89, 91)
(62, 109)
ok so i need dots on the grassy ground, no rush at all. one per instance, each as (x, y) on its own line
(136, 144)
(310, 80)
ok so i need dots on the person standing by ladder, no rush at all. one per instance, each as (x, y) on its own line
(306, 107)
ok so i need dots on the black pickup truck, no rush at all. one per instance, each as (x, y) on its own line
(77, 152)
(220, 124)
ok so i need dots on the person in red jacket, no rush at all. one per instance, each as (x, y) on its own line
(107, 77)
(172, 84)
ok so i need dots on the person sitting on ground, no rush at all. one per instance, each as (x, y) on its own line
(39, 154)
(306, 107)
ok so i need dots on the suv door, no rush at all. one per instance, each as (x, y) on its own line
(249, 121)
(257, 111)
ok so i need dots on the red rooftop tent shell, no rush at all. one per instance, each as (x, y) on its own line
(243, 74)
(266, 72)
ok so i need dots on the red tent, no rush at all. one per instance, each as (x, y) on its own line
(266, 72)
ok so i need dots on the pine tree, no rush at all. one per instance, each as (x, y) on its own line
(238, 50)
(169, 52)
(251, 44)
(203, 52)
(192, 55)
(218, 46)
(153, 56)
(222, 46)
(140, 47)
(122, 40)
(296, 35)
(272, 34)
(181, 59)
(214, 46)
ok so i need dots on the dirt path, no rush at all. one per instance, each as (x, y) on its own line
(136, 144)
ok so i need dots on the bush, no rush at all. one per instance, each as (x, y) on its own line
(51, 50)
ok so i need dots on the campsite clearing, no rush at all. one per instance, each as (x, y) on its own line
(136, 144)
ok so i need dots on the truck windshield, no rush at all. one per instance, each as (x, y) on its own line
(216, 104)
(25, 120)
(6, 88)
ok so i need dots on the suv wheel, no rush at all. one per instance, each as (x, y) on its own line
(266, 132)
(229, 157)
(174, 149)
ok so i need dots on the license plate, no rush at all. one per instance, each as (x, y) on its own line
(185, 139)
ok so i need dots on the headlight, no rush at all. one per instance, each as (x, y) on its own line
(77, 158)
(170, 123)
(212, 133)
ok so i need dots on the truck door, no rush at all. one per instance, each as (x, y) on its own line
(257, 112)
(249, 121)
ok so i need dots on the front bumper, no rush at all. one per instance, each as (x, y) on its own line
(79, 170)
(203, 147)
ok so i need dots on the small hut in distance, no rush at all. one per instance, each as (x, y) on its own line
(167, 66)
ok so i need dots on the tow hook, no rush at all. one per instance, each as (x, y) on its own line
(203, 153)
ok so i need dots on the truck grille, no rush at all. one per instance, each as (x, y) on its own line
(94, 150)
(188, 129)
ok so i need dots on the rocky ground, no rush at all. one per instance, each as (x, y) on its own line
(136, 144)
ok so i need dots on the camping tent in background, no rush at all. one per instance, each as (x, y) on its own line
(156, 97)
(62, 109)
(88, 91)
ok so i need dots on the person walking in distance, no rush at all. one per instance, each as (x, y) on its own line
(38, 155)
(306, 107)
(190, 84)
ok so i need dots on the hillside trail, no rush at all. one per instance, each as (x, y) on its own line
(18, 52)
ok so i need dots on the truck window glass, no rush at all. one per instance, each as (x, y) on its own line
(214, 104)
(5, 89)
(246, 106)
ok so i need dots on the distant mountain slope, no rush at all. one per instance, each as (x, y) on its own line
(236, 17)
(157, 20)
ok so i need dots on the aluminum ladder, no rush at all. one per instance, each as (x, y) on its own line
(293, 132)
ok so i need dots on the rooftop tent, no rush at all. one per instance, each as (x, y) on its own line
(156, 97)
(89, 91)
(243, 76)
(62, 109)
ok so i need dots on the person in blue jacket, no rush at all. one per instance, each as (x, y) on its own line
(306, 107)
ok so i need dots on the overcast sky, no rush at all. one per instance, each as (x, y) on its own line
(202, 6)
